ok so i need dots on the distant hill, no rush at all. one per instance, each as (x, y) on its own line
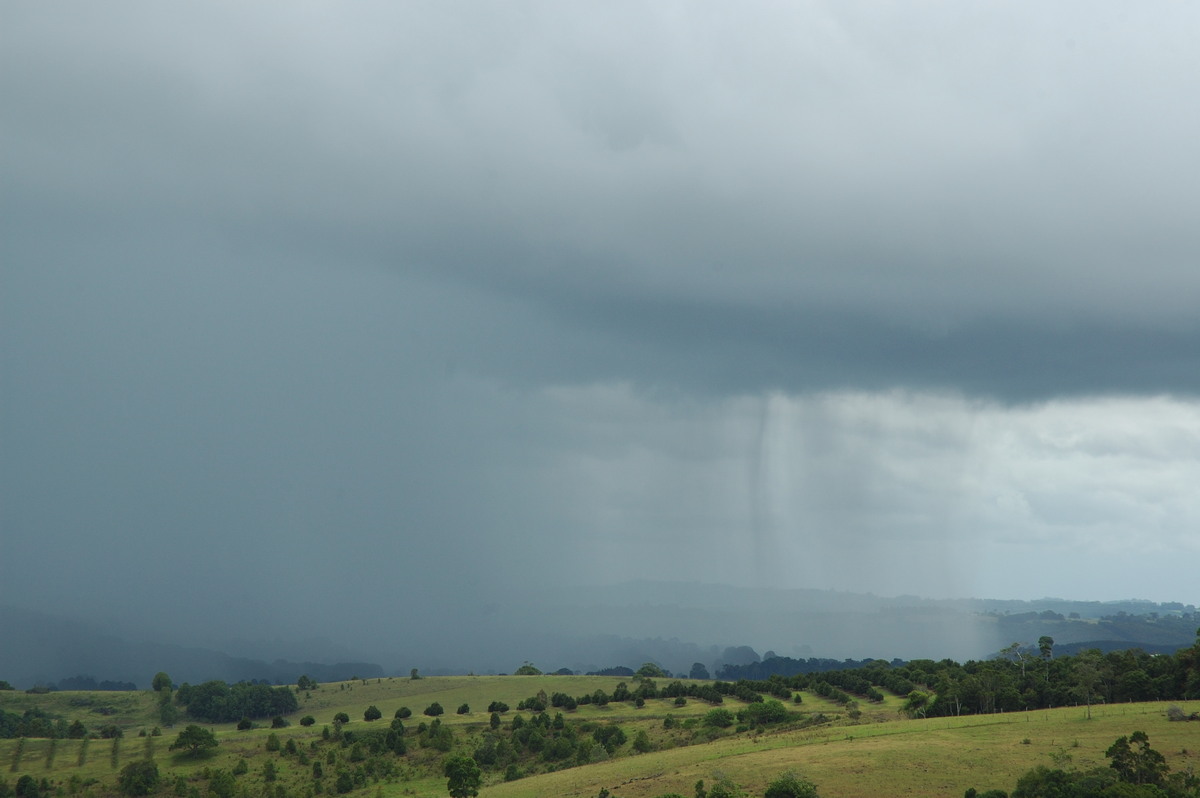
(43, 649)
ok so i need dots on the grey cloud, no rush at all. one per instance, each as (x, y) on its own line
(418, 296)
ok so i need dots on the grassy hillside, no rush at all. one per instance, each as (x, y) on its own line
(938, 757)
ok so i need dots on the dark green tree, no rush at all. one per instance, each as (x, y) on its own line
(650, 670)
(462, 776)
(222, 784)
(195, 740)
(372, 713)
(1136, 765)
(789, 785)
(27, 787)
(464, 709)
(698, 671)
(341, 717)
(307, 720)
(434, 709)
(161, 682)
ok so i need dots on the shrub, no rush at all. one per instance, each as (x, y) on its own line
(341, 717)
(372, 713)
(464, 709)
(138, 778)
(789, 785)
(307, 720)
(718, 718)
(403, 712)
(279, 722)
(434, 709)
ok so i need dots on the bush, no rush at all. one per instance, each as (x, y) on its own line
(372, 713)
(279, 722)
(718, 718)
(307, 720)
(789, 785)
(403, 712)
(464, 709)
(138, 778)
(434, 709)
(341, 717)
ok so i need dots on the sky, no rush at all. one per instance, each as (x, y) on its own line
(319, 316)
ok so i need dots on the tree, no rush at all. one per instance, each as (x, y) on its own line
(1142, 765)
(464, 709)
(720, 718)
(372, 713)
(27, 787)
(403, 712)
(789, 785)
(307, 720)
(434, 709)
(305, 683)
(650, 670)
(528, 669)
(917, 705)
(1087, 675)
(1046, 646)
(462, 776)
(160, 682)
(698, 671)
(195, 739)
(414, 675)
(341, 717)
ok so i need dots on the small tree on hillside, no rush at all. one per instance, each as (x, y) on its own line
(462, 777)
(789, 785)
(138, 778)
(372, 713)
(649, 670)
(434, 709)
(195, 740)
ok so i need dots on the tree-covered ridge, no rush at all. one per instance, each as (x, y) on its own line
(218, 702)
(1020, 678)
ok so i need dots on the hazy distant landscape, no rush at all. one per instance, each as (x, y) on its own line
(673, 625)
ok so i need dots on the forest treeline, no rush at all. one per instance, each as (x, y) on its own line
(1020, 678)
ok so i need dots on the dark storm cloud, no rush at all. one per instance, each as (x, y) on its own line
(414, 301)
(781, 183)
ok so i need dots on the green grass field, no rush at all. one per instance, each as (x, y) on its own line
(881, 753)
